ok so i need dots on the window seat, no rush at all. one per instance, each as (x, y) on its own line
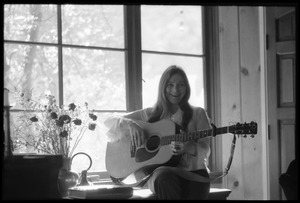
(214, 194)
(137, 193)
(145, 193)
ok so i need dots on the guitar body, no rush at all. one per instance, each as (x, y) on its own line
(130, 167)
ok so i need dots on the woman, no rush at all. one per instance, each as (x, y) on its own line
(189, 179)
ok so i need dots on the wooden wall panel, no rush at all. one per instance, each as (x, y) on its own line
(251, 164)
(230, 95)
(240, 98)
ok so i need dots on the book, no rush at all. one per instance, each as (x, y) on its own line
(103, 191)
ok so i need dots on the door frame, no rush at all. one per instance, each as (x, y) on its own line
(264, 103)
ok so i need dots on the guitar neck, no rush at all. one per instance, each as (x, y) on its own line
(194, 135)
(223, 130)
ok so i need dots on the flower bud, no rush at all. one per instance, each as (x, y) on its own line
(59, 123)
(93, 116)
(77, 121)
(72, 106)
(65, 118)
(53, 115)
(63, 133)
(92, 126)
(34, 119)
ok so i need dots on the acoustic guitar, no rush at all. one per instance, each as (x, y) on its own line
(130, 166)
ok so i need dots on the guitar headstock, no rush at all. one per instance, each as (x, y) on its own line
(244, 129)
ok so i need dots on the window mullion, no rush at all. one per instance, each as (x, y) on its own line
(133, 57)
(211, 82)
(60, 57)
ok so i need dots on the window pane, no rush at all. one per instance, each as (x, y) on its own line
(153, 67)
(94, 144)
(18, 138)
(31, 67)
(93, 25)
(30, 22)
(172, 29)
(96, 77)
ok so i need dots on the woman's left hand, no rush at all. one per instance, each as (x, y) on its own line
(177, 147)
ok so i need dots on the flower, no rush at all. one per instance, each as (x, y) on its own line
(48, 128)
(92, 126)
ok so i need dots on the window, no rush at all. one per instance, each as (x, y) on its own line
(176, 38)
(76, 53)
(110, 56)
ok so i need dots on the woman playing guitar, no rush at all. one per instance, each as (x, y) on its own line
(187, 179)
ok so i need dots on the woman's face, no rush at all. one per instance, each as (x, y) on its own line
(175, 89)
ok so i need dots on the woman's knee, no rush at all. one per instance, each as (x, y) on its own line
(167, 180)
(163, 178)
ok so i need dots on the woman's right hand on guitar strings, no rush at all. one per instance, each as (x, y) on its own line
(137, 134)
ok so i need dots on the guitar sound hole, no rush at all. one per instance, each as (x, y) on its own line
(153, 143)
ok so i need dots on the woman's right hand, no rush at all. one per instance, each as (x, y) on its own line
(137, 134)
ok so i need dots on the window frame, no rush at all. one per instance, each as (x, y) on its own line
(133, 67)
(212, 84)
(132, 21)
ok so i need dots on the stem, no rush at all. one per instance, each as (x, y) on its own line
(42, 148)
(79, 137)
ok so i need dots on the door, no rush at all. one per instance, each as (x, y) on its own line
(281, 64)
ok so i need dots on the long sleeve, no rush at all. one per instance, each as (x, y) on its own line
(117, 124)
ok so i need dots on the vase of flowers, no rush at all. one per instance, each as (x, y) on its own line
(47, 128)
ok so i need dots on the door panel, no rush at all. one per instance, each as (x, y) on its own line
(281, 63)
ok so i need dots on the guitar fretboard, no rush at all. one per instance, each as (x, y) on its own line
(184, 137)
(223, 130)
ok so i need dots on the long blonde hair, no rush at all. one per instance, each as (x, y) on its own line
(161, 108)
